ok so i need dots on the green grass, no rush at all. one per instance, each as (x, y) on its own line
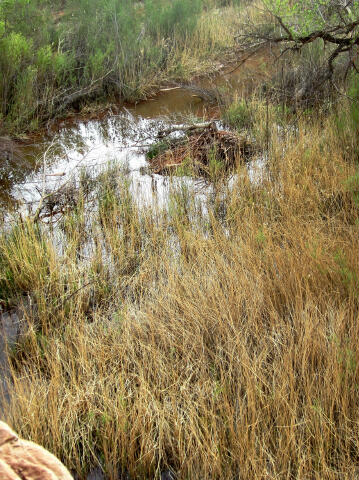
(238, 115)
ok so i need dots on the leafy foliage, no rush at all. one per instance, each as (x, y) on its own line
(55, 54)
(299, 23)
(303, 17)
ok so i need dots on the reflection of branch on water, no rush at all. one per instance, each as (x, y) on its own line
(63, 196)
(50, 194)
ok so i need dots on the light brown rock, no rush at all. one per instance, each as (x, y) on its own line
(24, 460)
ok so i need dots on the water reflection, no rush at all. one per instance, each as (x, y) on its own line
(48, 160)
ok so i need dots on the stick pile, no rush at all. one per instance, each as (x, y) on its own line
(201, 145)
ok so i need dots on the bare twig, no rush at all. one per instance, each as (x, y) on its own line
(44, 196)
(186, 128)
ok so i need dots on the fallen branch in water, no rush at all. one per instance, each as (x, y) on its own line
(187, 128)
(169, 89)
(45, 196)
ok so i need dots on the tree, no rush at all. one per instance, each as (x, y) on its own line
(299, 23)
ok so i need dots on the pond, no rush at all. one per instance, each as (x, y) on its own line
(121, 134)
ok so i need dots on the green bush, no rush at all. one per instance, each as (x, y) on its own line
(164, 18)
(238, 115)
(102, 46)
(156, 149)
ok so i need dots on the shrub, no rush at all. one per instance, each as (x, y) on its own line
(239, 115)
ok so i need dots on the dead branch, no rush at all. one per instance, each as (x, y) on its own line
(53, 193)
(186, 128)
(343, 34)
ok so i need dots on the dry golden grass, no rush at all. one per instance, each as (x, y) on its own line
(189, 56)
(220, 346)
(214, 35)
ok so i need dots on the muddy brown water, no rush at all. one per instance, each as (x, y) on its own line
(48, 159)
